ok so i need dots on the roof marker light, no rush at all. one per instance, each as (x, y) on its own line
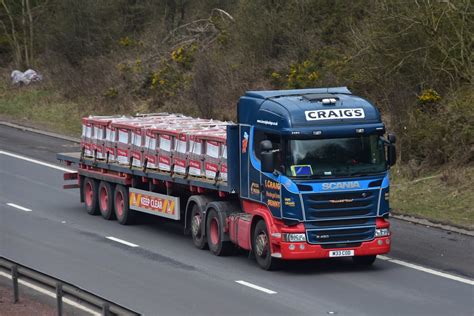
(327, 101)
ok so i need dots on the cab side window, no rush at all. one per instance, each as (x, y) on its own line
(258, 136)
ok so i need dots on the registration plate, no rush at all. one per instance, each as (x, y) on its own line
(341, 253)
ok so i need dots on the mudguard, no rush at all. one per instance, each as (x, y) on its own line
(224, 209)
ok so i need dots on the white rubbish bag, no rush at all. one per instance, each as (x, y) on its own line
(27, 77)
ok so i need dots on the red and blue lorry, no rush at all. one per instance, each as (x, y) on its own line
(303, 174)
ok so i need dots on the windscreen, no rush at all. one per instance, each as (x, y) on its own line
(350, 156)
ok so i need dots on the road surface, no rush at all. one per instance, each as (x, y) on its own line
(154, 269)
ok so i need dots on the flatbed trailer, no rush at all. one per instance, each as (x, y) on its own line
(97, 176)
(100, 170)
(307, 178)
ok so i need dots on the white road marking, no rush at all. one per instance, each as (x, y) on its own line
(427, 270)
(19, 207)
(122, 241)
(52, 294)
(256, 287)
(38, 162)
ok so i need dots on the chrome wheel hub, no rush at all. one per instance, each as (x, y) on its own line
(261, 243)
(196, 225)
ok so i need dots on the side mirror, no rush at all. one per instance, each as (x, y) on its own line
(392, 138)
(266, 145)
(267, 157)
(392, 154)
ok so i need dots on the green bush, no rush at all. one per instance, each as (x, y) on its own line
(444, 135)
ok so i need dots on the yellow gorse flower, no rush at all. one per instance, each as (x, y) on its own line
(429, 96)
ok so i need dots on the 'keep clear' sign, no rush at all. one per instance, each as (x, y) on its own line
(334, 114)
(154, 203)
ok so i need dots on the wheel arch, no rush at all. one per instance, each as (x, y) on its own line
(255, 220)
(259, 212)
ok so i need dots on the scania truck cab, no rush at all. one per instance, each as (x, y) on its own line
(314, 166)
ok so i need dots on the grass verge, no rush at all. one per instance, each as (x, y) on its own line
(42, 108)
(446, 196)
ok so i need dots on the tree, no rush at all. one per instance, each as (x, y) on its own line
(19, 30)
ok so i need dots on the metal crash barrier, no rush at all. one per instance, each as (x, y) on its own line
(61, 289)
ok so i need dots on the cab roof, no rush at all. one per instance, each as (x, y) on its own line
(281, 110)
(281, 93)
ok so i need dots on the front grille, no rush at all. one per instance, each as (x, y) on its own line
(342, 203)
(342, 223)
(333, 206)
(339, 218)
(339, 195)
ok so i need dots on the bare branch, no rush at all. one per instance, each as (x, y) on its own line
(15, 43)
(30, 22)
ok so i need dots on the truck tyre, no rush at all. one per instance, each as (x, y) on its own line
(90, 196)
(261, 247)
(215, 234)
(197, 228)
(364, 261)
(106, 200)
(124, 214)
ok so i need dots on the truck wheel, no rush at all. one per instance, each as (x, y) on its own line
(106, 200)
(124, 214)
(364, 260)
(90, 196)
(214, 229)
(197, 228)
(261, 247)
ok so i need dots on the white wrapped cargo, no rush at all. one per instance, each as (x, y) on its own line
(164, 142)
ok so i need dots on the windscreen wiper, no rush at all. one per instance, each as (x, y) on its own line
(363, 174)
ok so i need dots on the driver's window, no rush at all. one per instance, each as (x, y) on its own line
(258, 136)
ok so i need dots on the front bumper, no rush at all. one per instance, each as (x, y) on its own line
(378, 246)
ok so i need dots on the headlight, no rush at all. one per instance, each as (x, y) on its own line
(382, 232)
(293, 237)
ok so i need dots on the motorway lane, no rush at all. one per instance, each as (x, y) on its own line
(443, 250)
(33, 145)
(168, 274)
